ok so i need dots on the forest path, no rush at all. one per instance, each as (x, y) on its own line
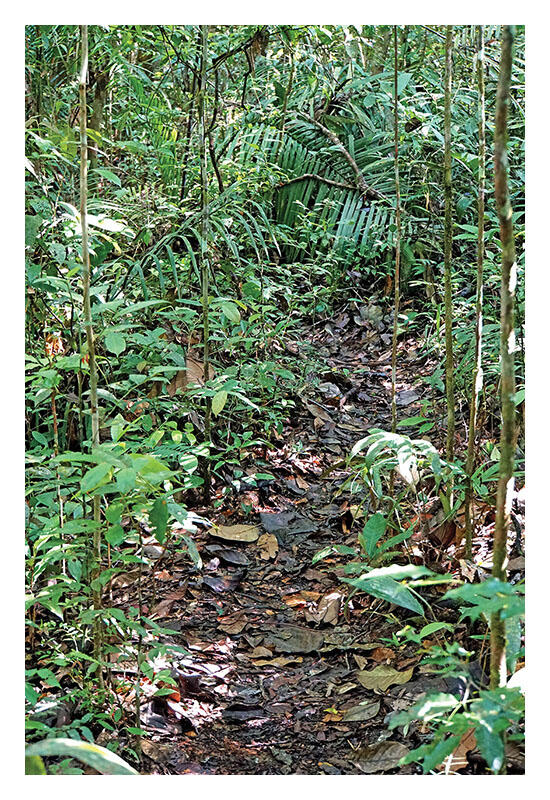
(270, 683)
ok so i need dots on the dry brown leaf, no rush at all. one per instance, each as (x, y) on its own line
(327, 610)
(163, 608)
(457, 759)
(236, 533)
(317, 411)
(382, 677)
(280, 661)
(269, 546)
(301, 598)
(362, 712)
(261, 652)
(382, 654)
(380, 757)
(233, 623)
(333, 716)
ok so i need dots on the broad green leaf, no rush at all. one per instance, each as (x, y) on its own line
(387, 589)
(32, 225)
(188, 462)
(151, 469)
(115, 342)
(398, 572)
(126, 479)
(115, 535)
(99, 758)
(158, 516)
(341, 549)
(374, 529)
(231, 311)
(218, 402)
(110, 176)
(97, 476)
(491, 746)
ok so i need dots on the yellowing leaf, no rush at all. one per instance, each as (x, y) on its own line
(218, 402)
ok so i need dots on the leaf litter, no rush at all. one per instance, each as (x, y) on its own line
(282, 673)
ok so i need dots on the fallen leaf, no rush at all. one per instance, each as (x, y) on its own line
(261, 652)
(233, 623)
(236, 533)
(317, 411)
(457, 759)
(516, 564)
(164, 608)
(380, 757)
(160, 753)
(218, 584)
(327, 610)
(297, 599)
(332, 715)
(361, 712)
(406, 397)
(293, 639)
(269, 546)
(382, 654)
(280, 661)
(382, 677)
(229, 555)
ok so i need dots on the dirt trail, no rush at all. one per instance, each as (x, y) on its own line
(270, 685)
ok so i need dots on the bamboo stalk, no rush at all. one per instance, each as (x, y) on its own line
(397, 237)
(477, 378)
(449, 363)
(203, 256)
(96, 545)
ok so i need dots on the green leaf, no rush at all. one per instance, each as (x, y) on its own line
(99, 758)
(218, 402)
(341, 549)
(97, 476)
(75, 568)
(158, 516)
(231, 311)
(151, 469)
(192, 550)
(491, 747)
(32, 225)
(115, 535)
(126, 479)
(387, 589)
(110, 176)
(374, 529)
(115, 342)
(34, 766)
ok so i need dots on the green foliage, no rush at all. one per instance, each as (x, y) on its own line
(102, 760)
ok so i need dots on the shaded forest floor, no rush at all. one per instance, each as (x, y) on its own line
(276, 643)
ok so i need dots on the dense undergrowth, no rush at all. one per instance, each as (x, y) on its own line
(295, 241)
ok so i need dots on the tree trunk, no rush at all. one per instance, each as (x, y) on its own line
(477, 381)
(505, 486)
